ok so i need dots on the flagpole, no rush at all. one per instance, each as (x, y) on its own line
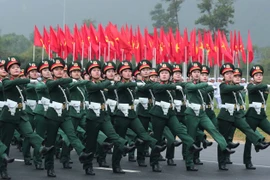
(73, 46)
(122, 50)
(49, 54)
(155, 58)
(247, 66)
(42, 54)
(109, 47)
(90, 52)
(82, 54)
(34, 52)
(99, 51)
(144, 52)
(185, 65)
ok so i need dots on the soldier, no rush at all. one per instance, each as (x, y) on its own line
(126, 117)
(31, 102)
(153, 76)
(97, 117)
(256, 113)
(57, 113)
(195, 112)
(13, 114)
(163, 114)
(232, 113)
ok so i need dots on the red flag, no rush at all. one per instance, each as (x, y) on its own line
(47, 41)
(62, 43)
(192, 45)
(200, 48)
(250, 49)
(54, 40)
(69, 40)
(241, 47)
(179, 47)
(172, 46)
(186, 45)
(38, 41)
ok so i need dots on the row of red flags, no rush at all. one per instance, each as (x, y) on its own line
(111, 43)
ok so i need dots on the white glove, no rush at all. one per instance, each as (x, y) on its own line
(112, 83)
(140, 84)
(179, 88)
(210, 84)
(215, 87)
(74, 80)
(268, 85)
(33, 81)
(245, 88)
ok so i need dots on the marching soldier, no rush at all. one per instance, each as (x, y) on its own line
(232, 113)
(256, 114)
(195, 113)
(57, 113)
(126, 117)
(13, 115)
(97, 117)
(163, 114)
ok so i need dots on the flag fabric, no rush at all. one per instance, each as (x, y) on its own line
(241, 48)
(250, 49)
(38, 41)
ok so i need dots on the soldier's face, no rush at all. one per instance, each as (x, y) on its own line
(65, 74)
(139, 77)
(3, 72)
(236, 79)
(46, 73)
(145, 72)
(228, 76)
(110, 74)
(117, 78)
(177, 76)
(15, 70)
(33, 74)
(204, 77)
(154, 78)
(196, 74)
(95, 73)
(258, 77)
(76, 74)
(164, 75)
(86, 77)
(58, 72)
(126, 74)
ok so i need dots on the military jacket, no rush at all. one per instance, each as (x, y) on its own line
(180, 95)
(257, 93)
(31, 94)
(41, 91)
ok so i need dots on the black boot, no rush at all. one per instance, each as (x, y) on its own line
(261, 146)
(158, 148)
(44, 150)
(228, 151)
(206, 143)
(223, 167)
(107, 146)
(118, 170)
(197, 161)
(161, 158)
(85, 156)
(66, 165)
(51, 173)
(170, 162)
(194, 148)
(228, 160)
(128, 149)
(7, 159)
(90, 171)
(39, 167)
(27, 162)
(146, 154)
(103, 163)
(191, 168)
(5, 175)
(131, 158)
(177, 143)
(141, 163)
(156, 168)
(250, 166)
(232, 145)
(138, 142)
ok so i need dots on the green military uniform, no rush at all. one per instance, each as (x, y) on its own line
(57, 117)
(126, 117)
(97, 117)
(256, 115)
(31, 102)
(163, 114)
(13, 115)
(232, 114)
(195, 114)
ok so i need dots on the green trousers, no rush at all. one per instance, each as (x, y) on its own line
(7, 131)
(52, 130)
(225, 128)
(177, 129)
(26, 147)
(121, 125)
(170, 142)
(92, 132)
(254, 123)
(141, 149)
(193, 123)
(65, 154)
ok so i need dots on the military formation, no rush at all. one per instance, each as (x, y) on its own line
(50, 108)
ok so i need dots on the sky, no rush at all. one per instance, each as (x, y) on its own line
(20, 16)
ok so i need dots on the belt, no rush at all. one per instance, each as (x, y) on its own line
(150, 101)
(251, 105)
(20, 106)
(159, 104)
(241, 106)
(103, 107)
(64, 106)
(208, 106)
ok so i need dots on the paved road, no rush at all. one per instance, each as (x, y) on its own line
(208, 171)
